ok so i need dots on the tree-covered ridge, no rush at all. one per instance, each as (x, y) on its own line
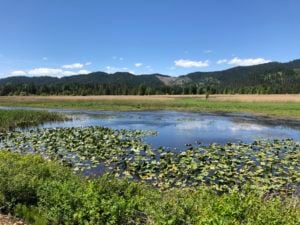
(266, 78)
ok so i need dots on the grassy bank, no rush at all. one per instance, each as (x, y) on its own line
(46, 193)
(278, 108)
(22, 118)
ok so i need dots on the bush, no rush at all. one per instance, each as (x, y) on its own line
(21, 176)
(46, 193)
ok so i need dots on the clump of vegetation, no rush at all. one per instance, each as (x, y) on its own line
(10, 119)
(272, 166)
(45, 192)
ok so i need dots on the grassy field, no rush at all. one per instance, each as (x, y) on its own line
(287, 106)
(22, 118)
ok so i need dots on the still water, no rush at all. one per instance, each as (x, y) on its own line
(176, 129)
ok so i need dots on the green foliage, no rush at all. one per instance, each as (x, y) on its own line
(20, 176)
(22, 118)
(297, 71)
(63, 198)
(31, 214)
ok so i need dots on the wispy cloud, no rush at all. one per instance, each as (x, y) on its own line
(45, 58)
(138, 64)
(73, 66)
(222, 61)
(88, 63)
(43, 71)
(186, 63)
(247, 62)
(236, 61)
(118, 58)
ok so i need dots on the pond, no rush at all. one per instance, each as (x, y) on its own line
(90, 145)
(176, 129)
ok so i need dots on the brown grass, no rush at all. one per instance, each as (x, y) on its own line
(227, 98)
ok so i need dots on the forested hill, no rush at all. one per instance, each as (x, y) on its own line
(266, 78)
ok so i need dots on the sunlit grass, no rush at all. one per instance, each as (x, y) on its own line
(281, 109)
(22, 118)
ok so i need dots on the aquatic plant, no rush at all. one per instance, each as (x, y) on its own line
(272, 166)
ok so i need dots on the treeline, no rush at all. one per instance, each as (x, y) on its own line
(118, 89)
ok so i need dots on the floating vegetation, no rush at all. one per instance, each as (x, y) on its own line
(272, 166)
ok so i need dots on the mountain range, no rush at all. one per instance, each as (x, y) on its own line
(273, 77)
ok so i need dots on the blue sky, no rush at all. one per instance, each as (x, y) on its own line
(64, 37)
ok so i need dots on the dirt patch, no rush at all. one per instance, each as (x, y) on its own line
(7, 220)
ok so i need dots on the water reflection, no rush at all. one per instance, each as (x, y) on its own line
(176, 129)
(179, 128)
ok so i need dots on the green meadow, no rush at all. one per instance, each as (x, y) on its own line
(277, 109)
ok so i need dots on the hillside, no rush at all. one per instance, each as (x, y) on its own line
(266, 78)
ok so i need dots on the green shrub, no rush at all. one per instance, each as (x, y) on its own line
(21, 176)
(44, 192)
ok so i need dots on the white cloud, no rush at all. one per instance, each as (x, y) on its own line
(54, 72)
(18, 73)
(45, 58)
(138, 64)
(221, 61)
(67, 73)
(186, 63)
(83, 72)
(44, 71)
(48, 72)
(247, 62)
(111, 69)
(88, 63)
(73, 66)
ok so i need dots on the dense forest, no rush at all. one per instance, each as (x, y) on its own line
(269, 78)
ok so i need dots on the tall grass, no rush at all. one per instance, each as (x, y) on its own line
(21, 118)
